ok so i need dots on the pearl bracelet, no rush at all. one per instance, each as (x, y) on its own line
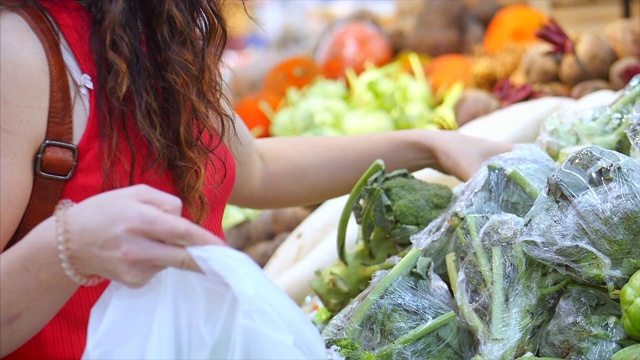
(61, 235)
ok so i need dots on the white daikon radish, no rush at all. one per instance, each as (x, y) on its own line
(305, 236)
(295, 280)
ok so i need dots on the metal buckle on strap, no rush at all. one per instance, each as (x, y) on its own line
(40, 155)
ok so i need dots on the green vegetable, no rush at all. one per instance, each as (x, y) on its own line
(404, 313)
(508, 183)
(630, 303)
(629, 353)
(604, 126)
(350, 349)
(361, 121)
(389, 208)
(585, 224)
(234, 215)
(502, 294)
(378, 99)
(586, 325)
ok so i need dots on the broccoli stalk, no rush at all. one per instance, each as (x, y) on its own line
(389, 208)
(414, 335)
(497, 288)
(508, 183)
(403, 267)
(405, 311)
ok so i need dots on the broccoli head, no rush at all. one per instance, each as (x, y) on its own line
(393, 206)
(389, 208)
(415, 202)
(350, 349)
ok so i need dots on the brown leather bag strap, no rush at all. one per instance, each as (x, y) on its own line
(57, 157)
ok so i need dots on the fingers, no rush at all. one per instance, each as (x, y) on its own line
(164, 201)
(164, 255)
(164, 222)
(183, 260)
(172, 229)
(144, 259)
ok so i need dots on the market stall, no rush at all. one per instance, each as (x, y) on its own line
(534, 256)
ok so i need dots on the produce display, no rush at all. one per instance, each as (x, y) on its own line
(529, 259)
(534, 257)
(484, 250)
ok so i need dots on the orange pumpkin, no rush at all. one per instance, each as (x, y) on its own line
(250, 110)
(352, 44)
(514, 24)
(296, 71)
(445, 70)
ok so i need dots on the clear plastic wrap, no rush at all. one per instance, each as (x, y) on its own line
(586, 223)
(585, 325)
(406, 313)
(508, 182)
(633, 133)
(567, 130)
(502, 294)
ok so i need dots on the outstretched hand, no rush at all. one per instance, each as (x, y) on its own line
(462, 155)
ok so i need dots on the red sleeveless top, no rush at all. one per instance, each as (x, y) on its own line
(64, 337)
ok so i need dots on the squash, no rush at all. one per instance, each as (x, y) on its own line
(296, 71)
(445, 70)
(253, 110)
(514, 24)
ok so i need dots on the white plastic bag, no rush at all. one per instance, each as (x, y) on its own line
(233, 311)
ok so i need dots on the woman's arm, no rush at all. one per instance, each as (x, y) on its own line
(30, 292)
(288, 171)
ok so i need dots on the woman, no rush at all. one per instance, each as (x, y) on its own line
(160, 156)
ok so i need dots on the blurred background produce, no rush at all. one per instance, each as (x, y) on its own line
(331, 67)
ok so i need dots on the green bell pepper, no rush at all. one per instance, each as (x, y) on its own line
(629, 353)
(630, 304)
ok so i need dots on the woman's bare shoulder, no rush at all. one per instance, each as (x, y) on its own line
(24, 74)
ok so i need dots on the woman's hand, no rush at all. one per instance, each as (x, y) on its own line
(462, 155)
(130, 234)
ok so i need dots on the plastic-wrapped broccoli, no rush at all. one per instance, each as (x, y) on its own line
(389, 208)
(508, 182)
(586, 223)
(585, 325)
(604, 126)
(405, 313)
(503, 295)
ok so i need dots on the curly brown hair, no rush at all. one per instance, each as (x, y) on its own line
(162, 59)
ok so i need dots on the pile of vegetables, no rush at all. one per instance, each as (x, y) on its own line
(534, 257)
(378, 99)
(508, 300)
